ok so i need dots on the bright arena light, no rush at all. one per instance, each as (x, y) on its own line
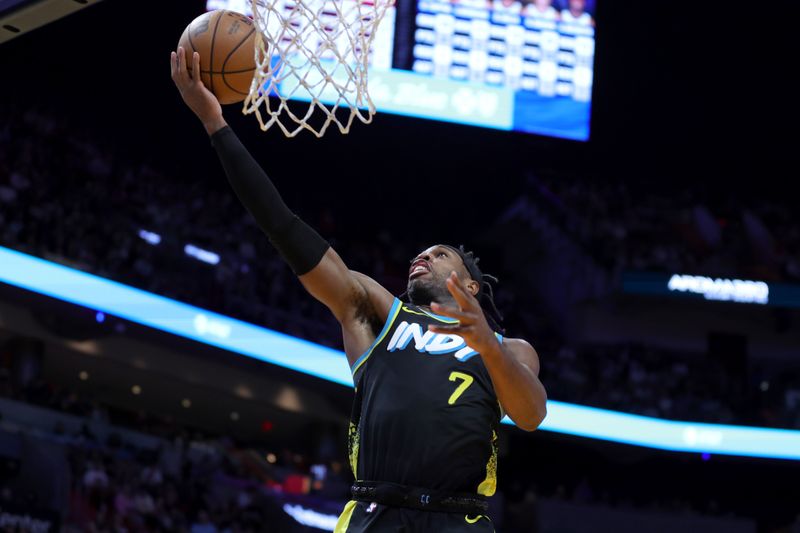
(201, 255)
(311, 518)
(150, 237)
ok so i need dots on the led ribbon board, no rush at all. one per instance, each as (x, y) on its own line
(706, 288)
(87, 290)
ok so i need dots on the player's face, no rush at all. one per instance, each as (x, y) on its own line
(427, 276)
(577, 5)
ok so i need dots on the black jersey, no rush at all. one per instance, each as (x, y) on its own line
(425, 412)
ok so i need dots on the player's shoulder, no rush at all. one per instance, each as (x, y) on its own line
(523, 351)
(515, 342)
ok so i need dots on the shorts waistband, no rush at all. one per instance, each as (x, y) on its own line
(396, 495)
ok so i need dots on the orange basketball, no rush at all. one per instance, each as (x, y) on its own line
(225, 41)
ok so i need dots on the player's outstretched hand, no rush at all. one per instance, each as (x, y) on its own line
(199, 99)
(472, 325)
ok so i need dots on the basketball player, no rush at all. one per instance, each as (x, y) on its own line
(432, 374)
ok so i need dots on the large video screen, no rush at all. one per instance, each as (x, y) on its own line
(521, 65)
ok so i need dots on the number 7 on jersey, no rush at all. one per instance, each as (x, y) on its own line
(466, 382)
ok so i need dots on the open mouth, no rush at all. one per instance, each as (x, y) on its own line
(419, 268)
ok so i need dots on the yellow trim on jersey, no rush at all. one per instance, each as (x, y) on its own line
(440, 318)
(472, 520)
(422, 312)
(344, 519)
(393, 312)
(409, 310)
(489, 485)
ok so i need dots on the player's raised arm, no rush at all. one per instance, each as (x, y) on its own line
(358, 303)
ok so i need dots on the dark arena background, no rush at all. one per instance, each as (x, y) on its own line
(655, 268)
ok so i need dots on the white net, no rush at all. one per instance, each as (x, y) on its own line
(315, 51)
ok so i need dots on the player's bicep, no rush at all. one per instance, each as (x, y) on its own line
(331, 283)
(346, 293)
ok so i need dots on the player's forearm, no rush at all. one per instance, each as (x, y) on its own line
(519, 390)
(299, 244)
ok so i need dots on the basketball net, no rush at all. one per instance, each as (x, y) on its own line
(317, 51)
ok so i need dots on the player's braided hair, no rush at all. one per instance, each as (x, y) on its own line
(485, 294)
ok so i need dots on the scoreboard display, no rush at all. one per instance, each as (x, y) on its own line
(516, 65)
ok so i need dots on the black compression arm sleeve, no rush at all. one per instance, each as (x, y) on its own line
(297, 242)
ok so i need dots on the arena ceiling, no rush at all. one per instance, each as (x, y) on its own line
(18, 17)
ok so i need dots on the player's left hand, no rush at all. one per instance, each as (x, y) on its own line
(472, 325)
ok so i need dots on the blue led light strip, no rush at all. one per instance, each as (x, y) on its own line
(155, 311)
(171, 316)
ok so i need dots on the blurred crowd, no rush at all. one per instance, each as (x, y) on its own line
(191, 481)
(678, 386)
(180, 489)
(699, 229)
(69, 198)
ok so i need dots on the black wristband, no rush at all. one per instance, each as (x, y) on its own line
(296, 241)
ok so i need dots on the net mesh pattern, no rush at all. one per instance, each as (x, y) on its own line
(314, 51)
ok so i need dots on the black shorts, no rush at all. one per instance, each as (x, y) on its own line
(363, 517)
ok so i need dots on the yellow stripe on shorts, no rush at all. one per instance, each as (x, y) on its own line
(344, 518)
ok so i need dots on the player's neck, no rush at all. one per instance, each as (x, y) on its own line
(441, 301)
